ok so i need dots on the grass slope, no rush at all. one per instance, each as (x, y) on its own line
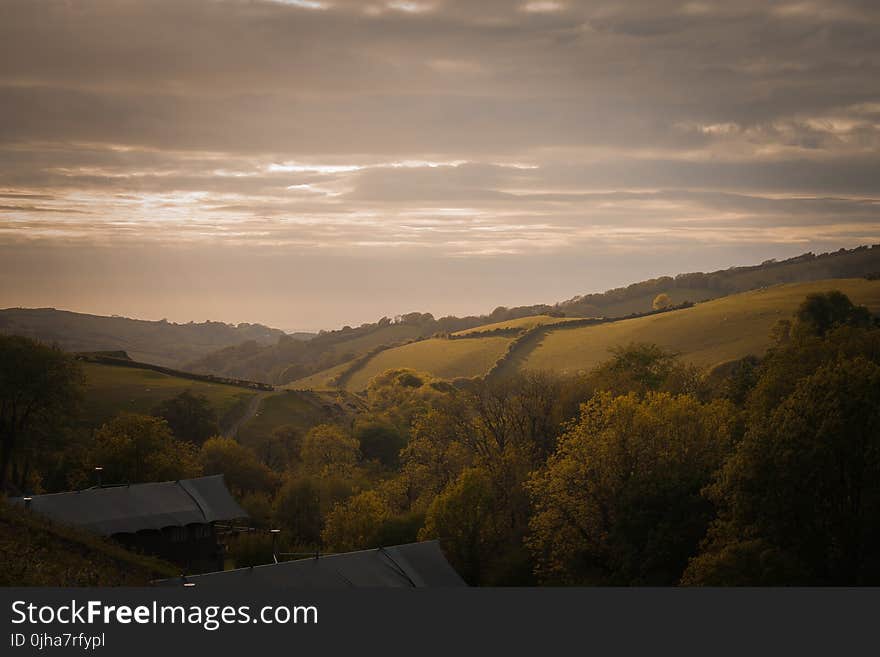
(301, 409)
(386, 335)
(446, 359)
(37, 552)
(706, 334)
(322, 380)
(112, 388)
(162, 343)
(523, 323)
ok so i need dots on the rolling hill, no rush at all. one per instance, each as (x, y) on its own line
(297, 362)
(244, 412)
(258, 353)
(705, 334)
(110, 389)
(161, 342)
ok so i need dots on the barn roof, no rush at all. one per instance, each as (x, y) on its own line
(411, 565)
(113, 510)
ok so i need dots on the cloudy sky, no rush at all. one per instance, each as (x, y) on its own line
(313, 163)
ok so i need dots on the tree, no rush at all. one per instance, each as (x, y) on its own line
(661, 301)
(641, 367)
(39, 387)
(464, 518)
(433, 458)
(298, 509)
(239, 465)
(380, 441)
(820, 312)
(328, 449)
(136, 448)
(801, 494)
(356, 523)
(281, 447)
(619, 502)
(189, 416)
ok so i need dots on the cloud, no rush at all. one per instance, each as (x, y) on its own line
(441, 131)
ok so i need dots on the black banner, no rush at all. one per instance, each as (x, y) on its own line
(135, 622)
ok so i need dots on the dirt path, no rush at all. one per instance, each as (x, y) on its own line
(252, 409)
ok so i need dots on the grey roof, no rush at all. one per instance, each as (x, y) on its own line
(127, 509)
(410, 565)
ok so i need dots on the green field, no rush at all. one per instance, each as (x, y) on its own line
(706, 334)
(288, 407)
(320, 380)
(645, 303)
(392, 334)
(113, 388)
(446, 359)
(524, 323)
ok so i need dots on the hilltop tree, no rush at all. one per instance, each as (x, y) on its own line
(39, 387)
(661, 301)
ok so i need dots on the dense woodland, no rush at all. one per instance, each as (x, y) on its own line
(644, 471)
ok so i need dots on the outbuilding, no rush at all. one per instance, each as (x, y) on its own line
(174, 520)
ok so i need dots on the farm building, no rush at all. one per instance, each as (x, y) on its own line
(414, 565)
(174, 520)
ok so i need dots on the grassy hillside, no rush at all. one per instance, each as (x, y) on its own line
(300, 409)
(393, 334)
(446, 359)
(288, 360)
(643, 303)
(523, 323)
(706, 334)
(112, 388)
(162, 342)
(323, 380)
(698, 286)
(37, 552)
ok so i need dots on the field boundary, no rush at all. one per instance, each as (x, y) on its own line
(205, 378)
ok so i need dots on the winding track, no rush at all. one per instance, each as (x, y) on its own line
(252, 409)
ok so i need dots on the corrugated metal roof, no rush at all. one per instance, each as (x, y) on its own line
(127, 509)
(411, 565)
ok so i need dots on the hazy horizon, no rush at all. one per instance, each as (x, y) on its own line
(309, 164)
(447, 310)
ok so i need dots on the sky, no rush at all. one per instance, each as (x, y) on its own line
(313, 163)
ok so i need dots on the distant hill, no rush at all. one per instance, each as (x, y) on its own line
(259, 353)
(698, 286)
(307, 363)
(159, 342)
(705, 334)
